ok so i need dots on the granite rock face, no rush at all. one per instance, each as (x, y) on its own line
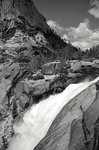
(6, 130)
(23, 50)
(19, 90)
(17, 94)
(54, 68)
(15, 12)
(76, 126)
(26, 47)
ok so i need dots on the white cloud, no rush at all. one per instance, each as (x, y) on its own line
(56, 26)
(82, 44)
(95, 8)
(81, 32)
(82, 36)
(65, 37)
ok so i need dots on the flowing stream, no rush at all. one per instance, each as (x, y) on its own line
(37, 121)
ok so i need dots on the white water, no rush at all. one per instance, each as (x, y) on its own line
(39, 118)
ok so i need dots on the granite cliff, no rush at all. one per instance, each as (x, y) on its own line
(33, 65)
(26, 43)
(15, 13)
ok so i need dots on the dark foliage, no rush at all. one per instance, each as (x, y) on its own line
(54, 40)
(14, 110)
(92, 53)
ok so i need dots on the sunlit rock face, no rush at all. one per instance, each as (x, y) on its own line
(23, 49)
(76, 126)
(14, 12)
(25, 46)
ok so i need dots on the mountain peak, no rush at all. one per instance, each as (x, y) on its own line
(24, 12)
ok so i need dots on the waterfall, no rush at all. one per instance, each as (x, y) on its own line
(37, 121)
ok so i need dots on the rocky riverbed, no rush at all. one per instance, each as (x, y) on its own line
(19, 90)
(36, 63)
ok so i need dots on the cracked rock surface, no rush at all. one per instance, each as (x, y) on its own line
(30, 73)
(76, 126)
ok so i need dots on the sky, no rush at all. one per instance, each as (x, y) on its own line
(76, 21)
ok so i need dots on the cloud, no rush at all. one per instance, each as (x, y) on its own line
(56, 26)
(65, 37)
(81, 32)
(95, 8)
(82, 36)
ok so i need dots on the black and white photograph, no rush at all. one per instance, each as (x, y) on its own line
(49, 74)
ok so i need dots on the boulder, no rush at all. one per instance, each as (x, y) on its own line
(84, 68)
(54, 68)
(32, 91)
(37, 76)
(51, 68)
(75, 65)
(24, 101)
(39, 87)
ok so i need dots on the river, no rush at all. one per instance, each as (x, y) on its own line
(37, 121)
